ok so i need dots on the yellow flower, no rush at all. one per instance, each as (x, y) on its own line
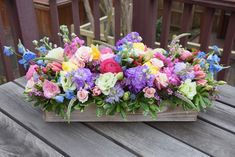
(95, 53)
(68, 66)
(154, 65)
(139, 46)
(153, 69)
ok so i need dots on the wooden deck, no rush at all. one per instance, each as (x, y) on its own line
(24, 133)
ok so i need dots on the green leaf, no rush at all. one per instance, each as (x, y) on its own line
(99, 111)
(144, 106)
(71, 103)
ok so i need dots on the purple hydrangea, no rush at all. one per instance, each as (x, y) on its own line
(115, 94)
(137, 78)
(83, 78)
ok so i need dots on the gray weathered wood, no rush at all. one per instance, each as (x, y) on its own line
(227, 94)
(72, 139)
(202, 135)
(145, 140)
(17, 141)
(220, 115)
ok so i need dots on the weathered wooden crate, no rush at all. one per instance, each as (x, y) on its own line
(89, 115)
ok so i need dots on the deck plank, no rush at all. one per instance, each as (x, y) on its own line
(73, 139)
(227, 95)
(141, 138)
(145, 140)
(202, 135)
(17, 141)
(220, 115)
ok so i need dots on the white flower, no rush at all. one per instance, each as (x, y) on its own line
(56, 53)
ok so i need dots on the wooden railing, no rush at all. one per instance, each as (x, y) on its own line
(23, 21)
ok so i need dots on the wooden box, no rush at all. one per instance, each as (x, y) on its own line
(89, 115)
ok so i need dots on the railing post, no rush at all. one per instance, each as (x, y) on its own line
(27, 21)
(55, 22)
(186, 22)
(228, 44)
(5, 60)
(144, 20)
(206, 28)
(166, 21)
(117, 5)
(76, 18)
(96, 14)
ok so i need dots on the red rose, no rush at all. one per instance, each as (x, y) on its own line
(110, 65)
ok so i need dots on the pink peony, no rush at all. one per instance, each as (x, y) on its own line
(50, 89)
(84, 53)
(82, 95)
(149, 92)
(31, 71)
(185, 55)
(55, 66)
(96, 91)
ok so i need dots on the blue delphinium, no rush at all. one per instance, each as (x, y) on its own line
(21, 48)
(201, 55)
(69, 94)
(26, 58)
(59, 99)
(42, 50)
(8, 51)
(213, 61)
(115, 94)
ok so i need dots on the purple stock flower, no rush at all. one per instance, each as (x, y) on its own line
(115, 94)
(137, 78)
(172, 77)
(133, 37)
(83, 78)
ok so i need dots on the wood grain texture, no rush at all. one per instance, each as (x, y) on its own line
(227, 95)
(72, 139)
(201, 135)
(17, 141)
(145, 140)
(220, 115)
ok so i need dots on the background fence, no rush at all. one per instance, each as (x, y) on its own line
(23, 21)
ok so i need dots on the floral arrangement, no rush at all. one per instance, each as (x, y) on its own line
(127, 78)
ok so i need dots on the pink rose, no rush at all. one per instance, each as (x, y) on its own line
(149, 92)
(50, 89)
(31, 71)
(96, 91)
(84, 53)
(185, 55)
(82, 95)
(55, 66)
